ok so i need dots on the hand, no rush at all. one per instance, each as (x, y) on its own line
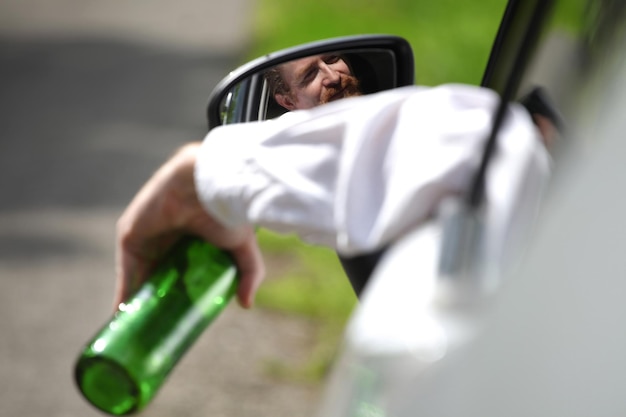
(166, 208)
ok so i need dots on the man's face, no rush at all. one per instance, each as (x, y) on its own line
(316, 80)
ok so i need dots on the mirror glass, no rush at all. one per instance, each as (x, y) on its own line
(309, 81)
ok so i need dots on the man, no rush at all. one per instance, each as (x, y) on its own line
(308, 82)
(354, 175)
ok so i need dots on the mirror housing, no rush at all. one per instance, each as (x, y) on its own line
(384, 61)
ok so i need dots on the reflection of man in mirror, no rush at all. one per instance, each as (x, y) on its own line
(308, 82)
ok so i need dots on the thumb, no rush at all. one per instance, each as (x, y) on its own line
(251, 270)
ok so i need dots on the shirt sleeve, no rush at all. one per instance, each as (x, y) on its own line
(358, 173)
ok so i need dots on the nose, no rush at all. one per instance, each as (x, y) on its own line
(330, 75)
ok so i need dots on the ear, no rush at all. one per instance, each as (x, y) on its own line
(285, 101)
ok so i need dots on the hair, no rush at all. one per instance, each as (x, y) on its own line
(275, 81)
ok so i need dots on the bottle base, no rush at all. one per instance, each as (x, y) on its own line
(107, 386)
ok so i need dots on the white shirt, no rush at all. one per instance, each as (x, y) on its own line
(359, 173)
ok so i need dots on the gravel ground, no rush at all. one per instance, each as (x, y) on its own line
(95, 95)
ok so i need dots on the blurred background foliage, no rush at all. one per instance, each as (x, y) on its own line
(451, 41)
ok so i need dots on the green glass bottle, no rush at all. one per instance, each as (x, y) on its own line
(123, 366)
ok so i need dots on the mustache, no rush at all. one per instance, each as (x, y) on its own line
(348, 86)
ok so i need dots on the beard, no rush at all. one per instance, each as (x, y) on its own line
(347, 87)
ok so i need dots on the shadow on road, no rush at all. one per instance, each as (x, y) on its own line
(83, 123)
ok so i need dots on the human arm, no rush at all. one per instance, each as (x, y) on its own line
(353, 175)
(357, 174)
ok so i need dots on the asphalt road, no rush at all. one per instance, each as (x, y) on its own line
(93, 97)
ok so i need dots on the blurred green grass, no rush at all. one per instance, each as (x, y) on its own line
(451, 39)
(306, 281)
(311, 283)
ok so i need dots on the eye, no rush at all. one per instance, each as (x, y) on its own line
(309, 76)
(331, 59)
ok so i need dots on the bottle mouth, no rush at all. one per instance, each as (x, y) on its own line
(107, 385)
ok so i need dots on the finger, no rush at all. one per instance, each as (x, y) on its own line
(123, 267)
(251, 271)
(132, 266)
(128, 276)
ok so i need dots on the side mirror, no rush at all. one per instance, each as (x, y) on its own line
(379, 62)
